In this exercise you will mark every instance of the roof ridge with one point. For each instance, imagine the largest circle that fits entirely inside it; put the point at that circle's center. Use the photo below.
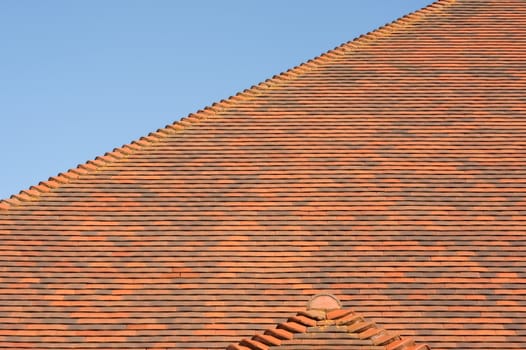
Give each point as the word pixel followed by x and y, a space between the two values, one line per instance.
pixel 122 152
pixel 355 324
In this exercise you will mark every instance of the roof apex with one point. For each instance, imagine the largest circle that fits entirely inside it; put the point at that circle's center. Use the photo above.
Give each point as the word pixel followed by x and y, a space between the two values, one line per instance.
pixel 324 302
pixel 342 321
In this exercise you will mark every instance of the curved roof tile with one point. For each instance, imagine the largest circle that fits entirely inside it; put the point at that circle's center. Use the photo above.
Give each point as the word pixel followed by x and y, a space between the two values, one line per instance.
pixel 327 329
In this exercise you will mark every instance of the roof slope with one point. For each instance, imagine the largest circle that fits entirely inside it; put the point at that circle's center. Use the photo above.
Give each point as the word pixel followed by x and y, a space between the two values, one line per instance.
pixel 390 172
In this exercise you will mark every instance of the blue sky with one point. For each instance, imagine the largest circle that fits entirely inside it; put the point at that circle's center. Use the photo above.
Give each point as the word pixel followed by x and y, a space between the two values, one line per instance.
pixel 79 78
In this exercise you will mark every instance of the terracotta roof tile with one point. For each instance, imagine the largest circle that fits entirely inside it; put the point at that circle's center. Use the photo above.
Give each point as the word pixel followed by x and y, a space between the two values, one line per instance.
pixel 389 171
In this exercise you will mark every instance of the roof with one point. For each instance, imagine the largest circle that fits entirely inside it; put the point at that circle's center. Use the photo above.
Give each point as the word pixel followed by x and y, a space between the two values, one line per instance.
pixel 389 171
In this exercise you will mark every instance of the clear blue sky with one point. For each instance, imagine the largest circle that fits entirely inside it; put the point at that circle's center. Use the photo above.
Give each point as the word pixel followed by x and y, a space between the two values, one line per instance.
pixel 79 78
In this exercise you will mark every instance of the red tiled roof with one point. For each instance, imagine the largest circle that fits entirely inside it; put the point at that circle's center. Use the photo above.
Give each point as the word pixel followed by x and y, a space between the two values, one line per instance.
pixel 389 171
